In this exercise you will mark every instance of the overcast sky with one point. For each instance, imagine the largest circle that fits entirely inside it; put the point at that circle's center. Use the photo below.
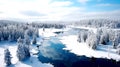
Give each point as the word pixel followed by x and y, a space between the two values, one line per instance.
pixel 58 9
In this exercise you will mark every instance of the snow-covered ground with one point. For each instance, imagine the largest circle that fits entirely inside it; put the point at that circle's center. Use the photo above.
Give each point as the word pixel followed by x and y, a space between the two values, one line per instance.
pixel 12 47
pixel 87 28
pixel 32 62
pixel 103 51
pixel 48 32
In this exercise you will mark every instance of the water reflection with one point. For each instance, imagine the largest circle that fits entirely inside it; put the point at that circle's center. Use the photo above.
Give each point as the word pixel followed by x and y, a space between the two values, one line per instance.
pixel 52 52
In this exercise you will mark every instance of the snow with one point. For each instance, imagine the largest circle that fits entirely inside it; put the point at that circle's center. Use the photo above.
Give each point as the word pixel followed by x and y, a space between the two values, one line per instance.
pixel 87 28
pixel 102 51
pixel 13 53
pixel 11 47
pixel 32 62
pixel 48 32
pixel 1 56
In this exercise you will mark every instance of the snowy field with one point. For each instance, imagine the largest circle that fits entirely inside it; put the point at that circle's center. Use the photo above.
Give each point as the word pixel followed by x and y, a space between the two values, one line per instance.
pixel 74 46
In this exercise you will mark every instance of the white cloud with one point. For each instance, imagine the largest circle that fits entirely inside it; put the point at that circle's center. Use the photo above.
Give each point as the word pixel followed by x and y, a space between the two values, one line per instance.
pixel 61 3
pixel 46 9
pixel 83 1
pixel 76 16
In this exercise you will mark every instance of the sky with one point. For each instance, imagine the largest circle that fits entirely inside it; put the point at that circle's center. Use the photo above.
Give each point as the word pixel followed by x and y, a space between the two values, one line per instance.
pixel 58 9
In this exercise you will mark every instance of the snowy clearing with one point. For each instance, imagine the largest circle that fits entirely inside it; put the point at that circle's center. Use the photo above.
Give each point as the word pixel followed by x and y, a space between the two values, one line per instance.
pixel 74 46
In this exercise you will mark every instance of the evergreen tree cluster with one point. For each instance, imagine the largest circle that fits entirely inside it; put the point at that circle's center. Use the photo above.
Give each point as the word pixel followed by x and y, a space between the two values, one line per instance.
pixel 96 23
pixel 48 25
pixel 11 30
pixel 23 50
pixel 102 36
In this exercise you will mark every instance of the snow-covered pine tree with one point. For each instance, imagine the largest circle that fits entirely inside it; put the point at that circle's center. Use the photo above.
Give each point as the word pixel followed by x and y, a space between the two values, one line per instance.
pixel 34 41
pixel 7 57
pixel 22 50
pixel 9 38
pixel 36 32
pixel 79 37
pixel 84 36
pixel 26 39
pixel 104 38
pixel 27 44
pixel 19 40
pixel 114 38
pixel 92 41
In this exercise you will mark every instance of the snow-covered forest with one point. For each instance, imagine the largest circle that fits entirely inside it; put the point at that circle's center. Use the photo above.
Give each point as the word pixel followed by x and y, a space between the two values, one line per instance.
pixel 30 44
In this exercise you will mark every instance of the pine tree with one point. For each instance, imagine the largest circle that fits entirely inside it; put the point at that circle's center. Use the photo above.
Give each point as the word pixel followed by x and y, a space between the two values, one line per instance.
pixel 92 41
pixel 79 38
pixel 82 36
pixel 19 40
pixel 34 39
pixel 27 39
pixel 104 38
pixel 36 32
pixel 9 38
pixel 7 57
pixel 22 50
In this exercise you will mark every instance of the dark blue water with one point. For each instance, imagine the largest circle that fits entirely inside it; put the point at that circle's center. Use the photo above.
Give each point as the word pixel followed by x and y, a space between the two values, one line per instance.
pixel 58 32
pixel 52 52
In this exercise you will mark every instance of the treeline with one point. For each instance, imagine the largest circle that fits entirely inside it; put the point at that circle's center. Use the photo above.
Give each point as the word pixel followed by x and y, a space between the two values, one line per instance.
pixel 11 30
pixel 102 36
pixel 48 25
pixel 108 23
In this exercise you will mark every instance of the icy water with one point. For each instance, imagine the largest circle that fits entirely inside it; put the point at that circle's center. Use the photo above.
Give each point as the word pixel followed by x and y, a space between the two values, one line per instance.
pixel 52 52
